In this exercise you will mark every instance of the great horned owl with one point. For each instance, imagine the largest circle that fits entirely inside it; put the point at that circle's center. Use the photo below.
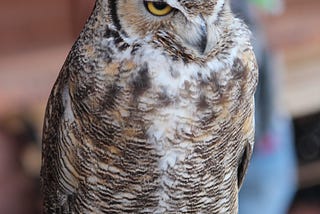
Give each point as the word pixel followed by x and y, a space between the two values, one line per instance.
pixel 152 112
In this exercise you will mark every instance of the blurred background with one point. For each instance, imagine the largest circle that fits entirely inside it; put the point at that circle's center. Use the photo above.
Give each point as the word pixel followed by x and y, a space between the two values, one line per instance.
pixel 36 35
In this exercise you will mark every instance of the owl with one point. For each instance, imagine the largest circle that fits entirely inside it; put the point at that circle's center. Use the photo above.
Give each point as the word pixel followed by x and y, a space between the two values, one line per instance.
pixel 152 112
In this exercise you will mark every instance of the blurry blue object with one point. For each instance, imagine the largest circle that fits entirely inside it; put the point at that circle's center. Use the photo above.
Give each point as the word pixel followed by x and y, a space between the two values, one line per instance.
pixel 271 179
pixel 270 183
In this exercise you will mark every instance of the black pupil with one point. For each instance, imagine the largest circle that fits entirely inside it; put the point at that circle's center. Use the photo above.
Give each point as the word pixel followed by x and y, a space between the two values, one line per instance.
pixel 160 5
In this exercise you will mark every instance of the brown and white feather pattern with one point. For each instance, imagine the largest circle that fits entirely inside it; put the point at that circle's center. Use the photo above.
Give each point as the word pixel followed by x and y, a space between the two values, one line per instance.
pixel 146 125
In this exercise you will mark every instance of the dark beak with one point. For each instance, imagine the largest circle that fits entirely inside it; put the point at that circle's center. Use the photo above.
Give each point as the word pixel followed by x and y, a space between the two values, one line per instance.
pixel 203 38
pixel 195 34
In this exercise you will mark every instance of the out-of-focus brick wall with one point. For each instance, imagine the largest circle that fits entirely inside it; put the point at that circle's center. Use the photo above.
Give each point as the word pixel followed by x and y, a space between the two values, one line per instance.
pixel 32 24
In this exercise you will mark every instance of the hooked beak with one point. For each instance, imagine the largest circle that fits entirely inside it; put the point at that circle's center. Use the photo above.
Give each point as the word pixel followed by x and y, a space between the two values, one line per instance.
pixel 195 34
pixel 202 43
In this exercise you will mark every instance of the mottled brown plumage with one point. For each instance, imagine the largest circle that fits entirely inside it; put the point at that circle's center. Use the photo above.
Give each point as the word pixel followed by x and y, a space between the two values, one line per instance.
pixel 151 114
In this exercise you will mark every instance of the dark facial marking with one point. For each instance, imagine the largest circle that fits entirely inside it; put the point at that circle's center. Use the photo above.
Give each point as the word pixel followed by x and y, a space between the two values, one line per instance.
pixel 114 14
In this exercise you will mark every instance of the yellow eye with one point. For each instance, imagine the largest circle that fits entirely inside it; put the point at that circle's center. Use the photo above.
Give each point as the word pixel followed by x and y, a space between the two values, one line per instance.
pixel 158 8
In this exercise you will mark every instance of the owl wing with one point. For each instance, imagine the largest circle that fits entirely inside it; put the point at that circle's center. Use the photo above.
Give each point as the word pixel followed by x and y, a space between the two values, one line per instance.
pixel 79 118
pixel 57 181
pixel 248 60
pixel 247 150
pixel 244 163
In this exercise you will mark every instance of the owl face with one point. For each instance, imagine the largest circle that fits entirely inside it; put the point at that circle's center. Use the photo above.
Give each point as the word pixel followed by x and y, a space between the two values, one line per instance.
pixel 185 22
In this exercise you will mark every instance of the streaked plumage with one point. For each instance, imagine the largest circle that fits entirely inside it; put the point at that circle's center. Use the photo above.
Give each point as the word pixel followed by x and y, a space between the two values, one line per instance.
pixel 151 114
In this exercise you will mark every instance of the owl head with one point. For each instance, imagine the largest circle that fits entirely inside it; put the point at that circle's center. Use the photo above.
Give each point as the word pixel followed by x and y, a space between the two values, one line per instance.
pixel 194 25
